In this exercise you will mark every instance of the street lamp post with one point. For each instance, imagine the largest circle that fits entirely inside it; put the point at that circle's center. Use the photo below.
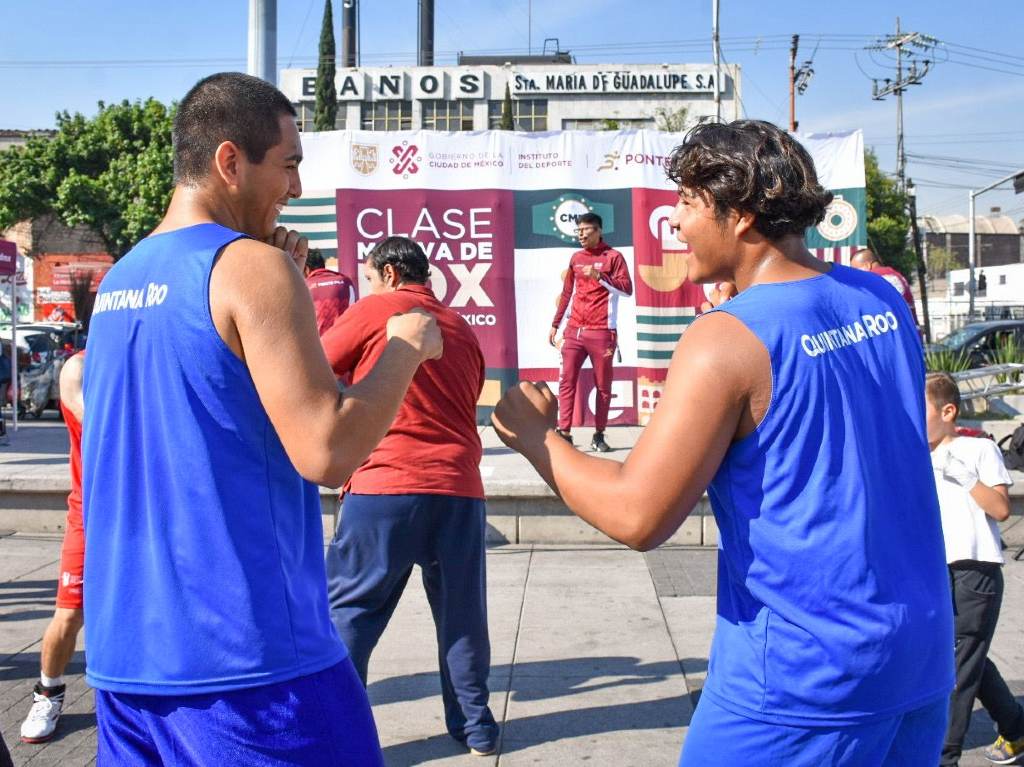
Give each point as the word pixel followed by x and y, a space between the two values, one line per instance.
pixel 1017 178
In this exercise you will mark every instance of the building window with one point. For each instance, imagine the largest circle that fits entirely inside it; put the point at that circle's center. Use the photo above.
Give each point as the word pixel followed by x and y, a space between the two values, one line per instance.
pixel 1002 279
pixel 306 110
pixel 958 288
pixel 606 123
pixel 387 115
pixel 527 114
pixel 448 115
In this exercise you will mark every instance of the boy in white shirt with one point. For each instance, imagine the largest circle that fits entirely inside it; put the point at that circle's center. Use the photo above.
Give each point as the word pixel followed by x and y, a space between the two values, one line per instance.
pixel 972 485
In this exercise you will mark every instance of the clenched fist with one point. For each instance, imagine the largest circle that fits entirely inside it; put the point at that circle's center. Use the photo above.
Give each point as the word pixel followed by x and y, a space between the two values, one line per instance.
pixel 525 414
pixel 292 243
pixel 418 329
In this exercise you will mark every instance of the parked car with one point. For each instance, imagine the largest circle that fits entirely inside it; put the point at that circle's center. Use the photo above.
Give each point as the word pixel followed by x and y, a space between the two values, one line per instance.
pixel 42 349
pixel 980 340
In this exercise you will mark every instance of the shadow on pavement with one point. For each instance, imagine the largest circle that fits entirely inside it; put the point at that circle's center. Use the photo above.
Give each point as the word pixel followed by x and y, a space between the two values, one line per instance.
pixel 560 678
pixel 548 728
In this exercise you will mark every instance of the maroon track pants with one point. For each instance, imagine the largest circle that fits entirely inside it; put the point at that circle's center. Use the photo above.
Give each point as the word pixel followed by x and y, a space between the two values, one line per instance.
pixel 579 344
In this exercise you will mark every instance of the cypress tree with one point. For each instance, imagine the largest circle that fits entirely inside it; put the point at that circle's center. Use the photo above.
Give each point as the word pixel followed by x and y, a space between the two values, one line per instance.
pixel 326 109
pixel 507 121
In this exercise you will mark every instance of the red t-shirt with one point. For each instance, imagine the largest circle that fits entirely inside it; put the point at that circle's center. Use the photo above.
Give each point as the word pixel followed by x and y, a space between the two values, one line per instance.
pixel 433 446
pixel 75 464
pixel 332 293
pixel 595 303
pixel 899 282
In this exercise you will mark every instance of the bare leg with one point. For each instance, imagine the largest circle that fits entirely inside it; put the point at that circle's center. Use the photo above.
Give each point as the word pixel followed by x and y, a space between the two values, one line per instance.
pixel 59 641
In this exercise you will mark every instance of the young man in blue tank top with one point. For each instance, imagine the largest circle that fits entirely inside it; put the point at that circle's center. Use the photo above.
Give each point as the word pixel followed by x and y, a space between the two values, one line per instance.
pixel 801 401
pixel 213 415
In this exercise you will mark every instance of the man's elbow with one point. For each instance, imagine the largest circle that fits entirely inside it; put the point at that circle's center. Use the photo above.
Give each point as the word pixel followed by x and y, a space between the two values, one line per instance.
pixel 645 531
pixel 321 470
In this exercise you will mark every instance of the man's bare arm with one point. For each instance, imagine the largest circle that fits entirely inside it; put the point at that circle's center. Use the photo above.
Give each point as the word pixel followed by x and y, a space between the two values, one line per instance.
pixel 263 311
pixel 710 397
pixel 70 385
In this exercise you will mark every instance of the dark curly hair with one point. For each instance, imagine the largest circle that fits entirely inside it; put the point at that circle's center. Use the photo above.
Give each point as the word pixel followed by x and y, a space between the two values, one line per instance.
pixel 751 166
pixel 405 256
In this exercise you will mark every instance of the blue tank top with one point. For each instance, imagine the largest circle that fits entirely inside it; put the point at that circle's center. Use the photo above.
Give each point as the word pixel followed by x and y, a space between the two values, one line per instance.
pixel 204 546
pixel 833 594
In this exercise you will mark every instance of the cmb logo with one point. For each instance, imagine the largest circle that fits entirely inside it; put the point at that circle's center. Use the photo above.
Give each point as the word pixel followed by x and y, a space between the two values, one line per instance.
pixel 406 159
pixel 364 158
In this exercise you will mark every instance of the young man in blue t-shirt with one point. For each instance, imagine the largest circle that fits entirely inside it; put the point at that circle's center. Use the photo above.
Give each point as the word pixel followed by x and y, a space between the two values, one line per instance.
pixel 803 413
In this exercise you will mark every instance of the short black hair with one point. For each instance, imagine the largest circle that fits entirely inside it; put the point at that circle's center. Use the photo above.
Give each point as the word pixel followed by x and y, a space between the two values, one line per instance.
pixel 590 218
pixel 315 259
pixel 406 258
pixel 228 106
pixel 751 166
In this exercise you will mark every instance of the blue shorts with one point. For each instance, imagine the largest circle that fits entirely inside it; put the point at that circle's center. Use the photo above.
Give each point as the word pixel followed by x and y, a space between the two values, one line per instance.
pixel 718 736
pixel 320 719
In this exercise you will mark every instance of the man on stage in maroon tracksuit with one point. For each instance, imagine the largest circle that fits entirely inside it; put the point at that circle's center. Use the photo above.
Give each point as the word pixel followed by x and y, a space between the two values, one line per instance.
pixel 597 276
pixel 332 292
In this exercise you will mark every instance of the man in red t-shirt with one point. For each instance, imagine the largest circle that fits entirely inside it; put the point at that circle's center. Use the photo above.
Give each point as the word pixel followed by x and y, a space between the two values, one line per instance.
pixel 418 498
pixel 866 260
pixel 332 292
pixel 595 280
pixel 62 633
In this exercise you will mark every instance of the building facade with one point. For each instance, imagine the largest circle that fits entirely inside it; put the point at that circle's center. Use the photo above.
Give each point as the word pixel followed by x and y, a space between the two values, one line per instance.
pixel 544 97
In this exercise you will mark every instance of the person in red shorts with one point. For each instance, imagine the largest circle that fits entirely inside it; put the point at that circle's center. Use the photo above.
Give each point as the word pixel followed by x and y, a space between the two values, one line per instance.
pixel 595 280
pixel 418 499
pixel 866 260
pixel 332 292
pixel 62 633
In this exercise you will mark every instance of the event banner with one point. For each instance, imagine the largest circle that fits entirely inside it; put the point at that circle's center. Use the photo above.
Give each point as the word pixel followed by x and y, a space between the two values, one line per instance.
pixel 496 214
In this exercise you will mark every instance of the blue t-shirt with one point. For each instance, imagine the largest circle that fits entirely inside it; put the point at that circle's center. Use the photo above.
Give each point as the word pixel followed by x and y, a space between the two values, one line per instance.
pixel 204 547
pixel 833 595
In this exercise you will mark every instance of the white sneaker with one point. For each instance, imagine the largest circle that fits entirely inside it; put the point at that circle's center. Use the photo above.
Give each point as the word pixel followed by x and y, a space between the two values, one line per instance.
pixel 41 721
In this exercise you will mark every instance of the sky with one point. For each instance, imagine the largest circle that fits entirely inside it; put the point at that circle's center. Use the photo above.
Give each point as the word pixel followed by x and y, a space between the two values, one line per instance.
pixel 964 122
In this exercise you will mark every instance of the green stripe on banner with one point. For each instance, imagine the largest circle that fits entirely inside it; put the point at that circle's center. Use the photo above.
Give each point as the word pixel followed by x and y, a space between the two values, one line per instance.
pixel 659 337
pixel 649 319
pixel 653 355
pixel 325 218
pixel 320 235
pixel 306 202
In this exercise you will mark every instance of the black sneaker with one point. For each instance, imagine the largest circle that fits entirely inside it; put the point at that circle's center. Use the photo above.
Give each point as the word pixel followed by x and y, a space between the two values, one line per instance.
pixel 598 445
pixel 567 436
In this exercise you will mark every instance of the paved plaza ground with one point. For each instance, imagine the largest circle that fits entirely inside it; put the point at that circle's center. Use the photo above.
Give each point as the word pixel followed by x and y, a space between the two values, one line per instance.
pixel 599 653
pixel 599 657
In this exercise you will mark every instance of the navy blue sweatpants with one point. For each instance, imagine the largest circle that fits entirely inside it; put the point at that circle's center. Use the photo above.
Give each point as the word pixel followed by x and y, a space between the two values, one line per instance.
pixel 378 540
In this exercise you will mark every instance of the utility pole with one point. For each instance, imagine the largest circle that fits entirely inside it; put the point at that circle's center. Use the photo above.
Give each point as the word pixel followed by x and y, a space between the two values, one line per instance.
pixel 792 83
pixel 799 79
pixel 921 271
pixel 716 50
pixel 909 45
pixel 904 44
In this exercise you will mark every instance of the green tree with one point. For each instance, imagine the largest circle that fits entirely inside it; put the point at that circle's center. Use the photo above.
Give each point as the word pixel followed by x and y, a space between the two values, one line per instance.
pixel 670 120
pixel 507 119
pixel 888 222
pixel 940 262
pixel 326 110
pixel 112 173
